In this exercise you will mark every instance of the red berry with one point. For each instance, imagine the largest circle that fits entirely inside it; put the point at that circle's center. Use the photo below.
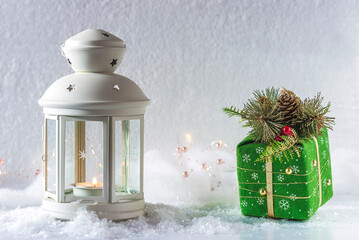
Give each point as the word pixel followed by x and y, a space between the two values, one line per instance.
pixel 287 131
pixel 320 126
pixel 278 138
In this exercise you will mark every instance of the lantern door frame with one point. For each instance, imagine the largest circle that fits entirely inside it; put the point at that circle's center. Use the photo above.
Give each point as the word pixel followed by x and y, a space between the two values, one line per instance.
pixel 105 170
pixel 45 159
pixel 113 196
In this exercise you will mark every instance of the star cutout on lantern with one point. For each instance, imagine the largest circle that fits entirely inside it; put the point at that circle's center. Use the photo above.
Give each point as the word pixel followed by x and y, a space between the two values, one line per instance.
pixel 116 87
pixel 114 62
pixel 69 61
pixel 106 34
pixel 71 87
pixel 82 154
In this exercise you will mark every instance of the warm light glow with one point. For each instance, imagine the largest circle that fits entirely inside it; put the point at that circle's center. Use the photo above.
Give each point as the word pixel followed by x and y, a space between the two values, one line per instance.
pixel 94 182
pixel 188 137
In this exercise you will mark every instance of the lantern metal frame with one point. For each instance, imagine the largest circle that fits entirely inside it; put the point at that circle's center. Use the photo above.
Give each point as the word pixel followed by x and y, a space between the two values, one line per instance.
pixel 109 168
pixel 113 197
pixel 61 186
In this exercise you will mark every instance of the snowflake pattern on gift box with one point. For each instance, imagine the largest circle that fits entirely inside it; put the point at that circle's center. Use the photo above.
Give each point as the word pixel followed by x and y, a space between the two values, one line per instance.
pixel 295 169
pixel 310 212
pixel 244 203
pixel 315 192
pixel 284 204
pixel 280 178
pixel 255 176
pixel 324 154
pixel 259 150
pixel 293 197
pixel 246 158
pixel 260 201
pixel 263 167
pixel 300 148
pixel 279 155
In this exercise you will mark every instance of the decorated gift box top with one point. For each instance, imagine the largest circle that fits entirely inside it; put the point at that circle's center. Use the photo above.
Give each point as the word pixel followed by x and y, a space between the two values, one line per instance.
pixel 279 118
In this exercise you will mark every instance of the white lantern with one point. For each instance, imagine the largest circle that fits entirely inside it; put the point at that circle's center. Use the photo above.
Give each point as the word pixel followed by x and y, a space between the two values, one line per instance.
pixel 93 133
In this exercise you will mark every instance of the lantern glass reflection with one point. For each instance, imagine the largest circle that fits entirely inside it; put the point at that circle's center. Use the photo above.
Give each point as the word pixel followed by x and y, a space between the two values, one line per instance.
pixel 83 157
pixel 50 156
pixel 127 156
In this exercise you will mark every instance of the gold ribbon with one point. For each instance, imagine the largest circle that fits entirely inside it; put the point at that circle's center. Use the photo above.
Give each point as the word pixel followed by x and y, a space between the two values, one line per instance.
pixel 269 180
pixel 319 174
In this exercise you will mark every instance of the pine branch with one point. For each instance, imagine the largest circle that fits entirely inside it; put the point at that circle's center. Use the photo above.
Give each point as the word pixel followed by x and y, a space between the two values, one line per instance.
pixel 271 93
pixel 262 114
pixel 232 111
pixel 275 150
pixel 312 117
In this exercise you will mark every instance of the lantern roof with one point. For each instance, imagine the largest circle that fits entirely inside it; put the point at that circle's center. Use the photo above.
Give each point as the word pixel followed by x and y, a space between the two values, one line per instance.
pixel 94 90
pixel 94 38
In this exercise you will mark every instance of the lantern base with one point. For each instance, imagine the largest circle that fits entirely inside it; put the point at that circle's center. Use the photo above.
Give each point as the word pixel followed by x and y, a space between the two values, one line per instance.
pixel 111 211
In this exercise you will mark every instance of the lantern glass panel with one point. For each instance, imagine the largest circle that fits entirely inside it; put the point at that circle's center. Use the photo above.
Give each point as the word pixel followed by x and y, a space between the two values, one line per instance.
pixel 127 156
pixel 69 155
pixel 84 143
pixel 50 155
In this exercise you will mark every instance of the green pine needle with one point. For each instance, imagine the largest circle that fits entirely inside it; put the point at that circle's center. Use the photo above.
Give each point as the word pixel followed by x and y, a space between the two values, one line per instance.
pixel 311 117
pixel 276 149
pixel 271 93
pixel 232 111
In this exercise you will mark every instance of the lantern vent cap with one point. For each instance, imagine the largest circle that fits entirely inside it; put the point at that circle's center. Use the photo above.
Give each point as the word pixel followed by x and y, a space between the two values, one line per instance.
pixel 94 50
pixel 93 38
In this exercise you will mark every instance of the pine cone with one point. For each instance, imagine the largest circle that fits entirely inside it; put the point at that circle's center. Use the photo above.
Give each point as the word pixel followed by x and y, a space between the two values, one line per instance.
pixel 264 100
pixel 289 105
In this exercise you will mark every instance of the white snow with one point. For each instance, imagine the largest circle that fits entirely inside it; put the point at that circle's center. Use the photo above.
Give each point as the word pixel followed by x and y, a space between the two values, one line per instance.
pixel 210 221
pixel 179 208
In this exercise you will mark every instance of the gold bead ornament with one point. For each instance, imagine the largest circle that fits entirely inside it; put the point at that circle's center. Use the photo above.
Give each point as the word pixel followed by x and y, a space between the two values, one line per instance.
pixel 329 182
pixel 262 192
pixel 314 162
pixel 288 170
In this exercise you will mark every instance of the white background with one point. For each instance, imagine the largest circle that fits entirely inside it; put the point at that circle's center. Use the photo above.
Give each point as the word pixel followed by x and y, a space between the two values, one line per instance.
pixel 191 58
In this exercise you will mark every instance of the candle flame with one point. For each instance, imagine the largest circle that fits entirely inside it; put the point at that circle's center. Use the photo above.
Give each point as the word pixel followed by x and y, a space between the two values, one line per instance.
pixel 94 182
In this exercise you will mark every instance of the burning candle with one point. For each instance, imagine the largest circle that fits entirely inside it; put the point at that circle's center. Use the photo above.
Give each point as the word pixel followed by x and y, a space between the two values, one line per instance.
pixel 94 182
pixel 84 189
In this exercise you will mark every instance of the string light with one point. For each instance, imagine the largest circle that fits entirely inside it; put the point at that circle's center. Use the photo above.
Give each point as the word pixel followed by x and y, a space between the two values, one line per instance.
pixel 22 172
pixel 188 138
pixel 185 159
pixel 35 171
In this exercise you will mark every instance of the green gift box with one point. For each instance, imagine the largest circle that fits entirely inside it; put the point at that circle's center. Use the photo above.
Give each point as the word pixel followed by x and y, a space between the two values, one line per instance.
pixel 293 188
